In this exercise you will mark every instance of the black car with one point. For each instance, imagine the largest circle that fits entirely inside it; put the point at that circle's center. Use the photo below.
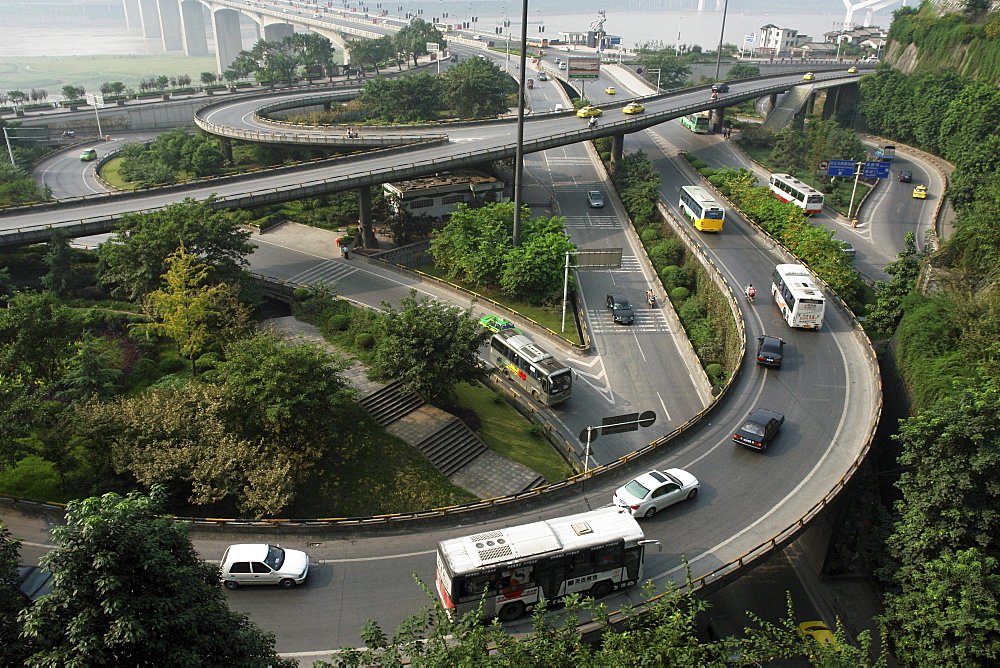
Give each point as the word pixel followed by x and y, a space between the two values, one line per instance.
pixel 621 310
pixel 720 88
pixel 759 428
pixel 769 350
pixel 905 176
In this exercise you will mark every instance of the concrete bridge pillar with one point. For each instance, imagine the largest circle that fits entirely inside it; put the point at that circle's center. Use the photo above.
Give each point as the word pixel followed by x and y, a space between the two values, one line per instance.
pixel 132 18
pixel 228 41
pixel 811 104
pixel 718 116
pixel 170 24
pixel 226 148
pixel 830 103
pixel 365 217
pixel 149 16
pixel 276 32
pixel 773 100
pixel 617 147
pixel 193 28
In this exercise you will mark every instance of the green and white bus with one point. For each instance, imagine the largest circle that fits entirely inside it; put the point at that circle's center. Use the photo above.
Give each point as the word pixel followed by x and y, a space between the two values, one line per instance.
pixel 700 122
pixel 545 378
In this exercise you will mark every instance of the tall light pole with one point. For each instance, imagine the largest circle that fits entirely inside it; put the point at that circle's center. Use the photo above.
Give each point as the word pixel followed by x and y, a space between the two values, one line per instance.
pixel 718 63
pixel 519 154
pixel 677 46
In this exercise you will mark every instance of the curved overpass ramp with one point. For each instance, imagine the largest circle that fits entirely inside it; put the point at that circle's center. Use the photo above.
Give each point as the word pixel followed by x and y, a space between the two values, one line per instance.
pixel 750 502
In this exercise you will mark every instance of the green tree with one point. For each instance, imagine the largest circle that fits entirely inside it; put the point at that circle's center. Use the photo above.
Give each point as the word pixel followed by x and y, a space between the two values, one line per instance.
pixel 35 336
pixel 62 279
pixel 742 71
pixel 209 78
pixel 93 371
pixel 207 160
pixel 411 98
pixel 181 309
pixel 428 345
pixel 16 187
pixel 477 88
pixel 301 398
pixel 673 71
pixel 536 267
pixel 131 590
pixel 134 260
pixel 20 412
pixel 412 39
pixel 946 611
pixel 884 315
pixel 13 650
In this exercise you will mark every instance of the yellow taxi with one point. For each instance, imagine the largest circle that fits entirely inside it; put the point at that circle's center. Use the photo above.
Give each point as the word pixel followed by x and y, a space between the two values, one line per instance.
pixel 587 112
pixel 633 108
pixel 852 70
pixel 920 192
pixel 808 76
pixel 611 90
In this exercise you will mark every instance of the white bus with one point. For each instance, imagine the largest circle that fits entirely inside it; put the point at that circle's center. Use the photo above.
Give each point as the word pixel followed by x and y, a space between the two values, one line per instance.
pixel 787 188
pixel 510 570
pixel 548 380
pixel 705 213
pixel 795 292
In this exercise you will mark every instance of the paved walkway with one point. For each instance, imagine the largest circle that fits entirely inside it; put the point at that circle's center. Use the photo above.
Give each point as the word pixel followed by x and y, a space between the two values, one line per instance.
pixel 488 476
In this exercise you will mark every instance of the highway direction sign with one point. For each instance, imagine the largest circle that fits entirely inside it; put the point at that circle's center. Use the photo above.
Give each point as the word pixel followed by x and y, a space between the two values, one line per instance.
pixel 876 170
pixel 840 168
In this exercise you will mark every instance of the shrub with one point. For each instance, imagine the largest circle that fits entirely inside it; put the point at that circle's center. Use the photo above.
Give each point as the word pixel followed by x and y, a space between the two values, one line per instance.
pixel 699 164
pixel 715 373
pixel 170 364
pixel 206 361
pixel 145 370
pixel 339 322
pixel 364 340
pixel 301 294
pixel 706 171
pixel 679 294
pixel 672 277
pixel 498 397
pixel 650 236
pixel 537 431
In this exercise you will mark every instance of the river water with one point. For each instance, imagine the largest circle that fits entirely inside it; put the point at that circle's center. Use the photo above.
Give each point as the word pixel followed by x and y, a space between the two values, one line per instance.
pixel 669 26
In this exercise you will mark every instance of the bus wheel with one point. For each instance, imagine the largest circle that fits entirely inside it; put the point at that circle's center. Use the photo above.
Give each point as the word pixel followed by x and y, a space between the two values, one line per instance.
pixel 511 611
pixel 601 589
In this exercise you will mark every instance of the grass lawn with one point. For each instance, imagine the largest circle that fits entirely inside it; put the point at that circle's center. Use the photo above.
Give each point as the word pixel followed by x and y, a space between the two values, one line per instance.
pixel 374 473
pixel 34 478
pixel 546 316
pixel 507 432
pixel 109 172
pixel 54 72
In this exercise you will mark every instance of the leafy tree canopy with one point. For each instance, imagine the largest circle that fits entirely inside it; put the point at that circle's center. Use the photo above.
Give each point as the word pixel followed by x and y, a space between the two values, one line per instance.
pixel 134 260
pixel 131 590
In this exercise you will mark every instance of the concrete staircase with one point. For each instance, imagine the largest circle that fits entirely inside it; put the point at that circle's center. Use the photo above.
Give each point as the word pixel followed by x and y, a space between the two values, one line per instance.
pixel 390 403
pixel 452 447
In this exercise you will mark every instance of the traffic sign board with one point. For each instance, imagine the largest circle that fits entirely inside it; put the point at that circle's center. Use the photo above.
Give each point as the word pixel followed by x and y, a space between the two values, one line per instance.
pixel 840 168
pixel 876 170
pixel 823 165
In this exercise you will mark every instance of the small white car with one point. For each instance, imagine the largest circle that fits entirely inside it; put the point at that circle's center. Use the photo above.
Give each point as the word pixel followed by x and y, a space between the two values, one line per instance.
pixel 656 490
pixel 260 563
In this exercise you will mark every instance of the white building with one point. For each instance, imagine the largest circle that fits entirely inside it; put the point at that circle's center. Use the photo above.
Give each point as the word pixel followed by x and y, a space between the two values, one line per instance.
pixel 779 42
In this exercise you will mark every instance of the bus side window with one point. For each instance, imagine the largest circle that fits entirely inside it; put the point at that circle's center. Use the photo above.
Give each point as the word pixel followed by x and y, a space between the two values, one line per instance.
pixel 580 565
pixel 608 558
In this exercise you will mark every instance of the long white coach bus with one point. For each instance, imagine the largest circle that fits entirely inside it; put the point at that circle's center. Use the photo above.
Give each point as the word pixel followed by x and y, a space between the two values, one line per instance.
pixel 802 304
pixel 592 554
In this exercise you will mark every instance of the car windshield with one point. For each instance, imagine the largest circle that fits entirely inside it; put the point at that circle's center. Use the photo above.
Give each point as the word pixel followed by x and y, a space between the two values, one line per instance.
pixel 753 428
pixel 622 305
pixel 275 557
pixel 636 489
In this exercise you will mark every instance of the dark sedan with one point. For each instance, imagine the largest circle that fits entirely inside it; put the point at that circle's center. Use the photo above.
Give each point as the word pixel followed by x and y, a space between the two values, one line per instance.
pixel 769 349
pixel 621 310
pixel 759 428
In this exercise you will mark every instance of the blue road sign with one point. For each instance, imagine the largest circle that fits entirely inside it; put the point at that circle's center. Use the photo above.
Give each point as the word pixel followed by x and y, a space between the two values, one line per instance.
pixel 840 168
pixel 876 170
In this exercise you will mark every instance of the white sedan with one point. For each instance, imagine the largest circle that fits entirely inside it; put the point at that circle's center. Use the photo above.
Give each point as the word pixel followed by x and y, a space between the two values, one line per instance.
pixel 655 491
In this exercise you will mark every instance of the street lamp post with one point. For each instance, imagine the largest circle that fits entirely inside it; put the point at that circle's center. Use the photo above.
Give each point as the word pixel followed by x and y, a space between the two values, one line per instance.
pixel 718 62
pixel 519 154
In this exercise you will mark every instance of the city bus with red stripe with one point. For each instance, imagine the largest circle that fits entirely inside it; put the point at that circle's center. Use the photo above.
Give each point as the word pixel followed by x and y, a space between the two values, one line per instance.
pixel 787 188
pixel 508 571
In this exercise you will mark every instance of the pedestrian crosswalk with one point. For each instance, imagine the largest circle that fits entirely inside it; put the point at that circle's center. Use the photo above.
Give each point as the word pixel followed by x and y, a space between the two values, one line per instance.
pixel 647 320
pixel 327 271
pixel 602 222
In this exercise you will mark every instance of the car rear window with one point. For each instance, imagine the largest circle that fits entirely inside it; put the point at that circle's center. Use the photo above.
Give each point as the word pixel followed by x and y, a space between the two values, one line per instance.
pixel 636 489
pixel 754 428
